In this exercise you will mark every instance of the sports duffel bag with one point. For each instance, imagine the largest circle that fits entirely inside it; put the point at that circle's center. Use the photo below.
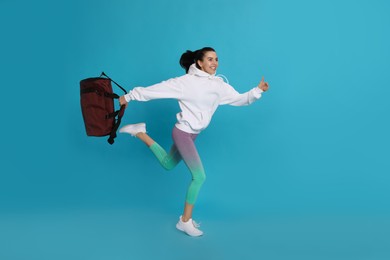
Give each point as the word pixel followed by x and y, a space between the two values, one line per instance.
pixel 97 106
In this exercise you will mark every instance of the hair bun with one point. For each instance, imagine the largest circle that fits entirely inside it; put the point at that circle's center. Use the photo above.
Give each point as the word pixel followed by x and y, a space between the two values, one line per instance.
pixel 190 57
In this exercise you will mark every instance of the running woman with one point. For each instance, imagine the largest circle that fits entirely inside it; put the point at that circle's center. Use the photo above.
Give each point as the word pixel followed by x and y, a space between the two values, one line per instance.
pixel 199 93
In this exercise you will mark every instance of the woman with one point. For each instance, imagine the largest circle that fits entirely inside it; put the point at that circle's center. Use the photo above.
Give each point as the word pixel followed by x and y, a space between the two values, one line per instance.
pixel 199 93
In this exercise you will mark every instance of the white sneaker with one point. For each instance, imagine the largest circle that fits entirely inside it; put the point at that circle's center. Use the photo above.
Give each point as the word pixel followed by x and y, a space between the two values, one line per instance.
pixel 190 227
pixel 133 129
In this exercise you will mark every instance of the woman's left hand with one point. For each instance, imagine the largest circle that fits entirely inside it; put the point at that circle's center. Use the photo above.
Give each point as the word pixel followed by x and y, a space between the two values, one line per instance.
pixel 263 85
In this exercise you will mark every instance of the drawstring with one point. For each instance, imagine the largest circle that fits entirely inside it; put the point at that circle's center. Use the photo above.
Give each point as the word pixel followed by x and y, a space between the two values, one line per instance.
pixel 223 77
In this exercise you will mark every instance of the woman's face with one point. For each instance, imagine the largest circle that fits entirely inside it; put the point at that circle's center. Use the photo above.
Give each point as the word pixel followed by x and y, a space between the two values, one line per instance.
pixel 209 63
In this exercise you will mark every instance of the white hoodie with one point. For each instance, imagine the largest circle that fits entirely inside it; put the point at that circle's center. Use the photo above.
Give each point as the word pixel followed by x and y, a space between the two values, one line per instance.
pixel 199 94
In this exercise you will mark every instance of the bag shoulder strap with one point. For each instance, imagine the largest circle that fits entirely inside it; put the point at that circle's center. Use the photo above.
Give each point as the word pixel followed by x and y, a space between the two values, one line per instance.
pixel 104 74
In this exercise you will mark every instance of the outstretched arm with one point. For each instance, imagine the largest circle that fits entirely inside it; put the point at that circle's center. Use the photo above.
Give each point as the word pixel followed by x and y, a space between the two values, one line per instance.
pixel 171 88
pixel 232 97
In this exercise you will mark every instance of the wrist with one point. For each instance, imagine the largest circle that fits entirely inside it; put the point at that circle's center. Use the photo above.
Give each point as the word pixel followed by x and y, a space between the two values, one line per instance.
pixel 127 97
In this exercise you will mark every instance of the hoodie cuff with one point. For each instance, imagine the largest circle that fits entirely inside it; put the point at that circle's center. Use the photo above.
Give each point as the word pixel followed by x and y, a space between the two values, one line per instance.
pixel 257 92
pixel 127 97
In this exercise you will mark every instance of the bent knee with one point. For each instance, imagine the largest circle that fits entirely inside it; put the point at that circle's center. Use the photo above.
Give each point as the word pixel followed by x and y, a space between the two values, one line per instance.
pixel 168 165
pixel 199 178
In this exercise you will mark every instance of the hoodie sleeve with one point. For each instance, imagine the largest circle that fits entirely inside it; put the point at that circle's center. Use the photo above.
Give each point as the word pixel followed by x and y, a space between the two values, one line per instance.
pixel 232 97
pixel 171 88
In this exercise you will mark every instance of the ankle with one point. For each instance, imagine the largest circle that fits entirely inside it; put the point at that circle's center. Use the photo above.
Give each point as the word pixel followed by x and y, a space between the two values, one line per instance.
pixel 185 219
pixel 139 135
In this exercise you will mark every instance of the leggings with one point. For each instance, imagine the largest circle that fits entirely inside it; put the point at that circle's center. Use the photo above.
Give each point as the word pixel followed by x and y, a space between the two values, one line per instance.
pixel 183 148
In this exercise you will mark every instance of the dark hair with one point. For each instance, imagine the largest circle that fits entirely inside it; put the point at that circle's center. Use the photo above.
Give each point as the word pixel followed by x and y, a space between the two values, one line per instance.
pixel 190 57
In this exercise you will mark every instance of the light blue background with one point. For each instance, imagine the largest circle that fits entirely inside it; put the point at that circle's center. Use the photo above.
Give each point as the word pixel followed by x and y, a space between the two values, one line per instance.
pixel 301 174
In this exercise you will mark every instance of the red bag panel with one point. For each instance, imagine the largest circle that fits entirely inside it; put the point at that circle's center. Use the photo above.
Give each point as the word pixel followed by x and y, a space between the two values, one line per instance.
pixel 96 107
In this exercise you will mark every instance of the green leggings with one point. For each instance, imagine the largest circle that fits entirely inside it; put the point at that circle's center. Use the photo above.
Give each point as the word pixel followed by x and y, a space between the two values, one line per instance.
pixel 183 148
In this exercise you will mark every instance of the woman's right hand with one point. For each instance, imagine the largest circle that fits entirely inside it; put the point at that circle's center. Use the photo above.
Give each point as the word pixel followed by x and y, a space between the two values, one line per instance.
pixel 123 102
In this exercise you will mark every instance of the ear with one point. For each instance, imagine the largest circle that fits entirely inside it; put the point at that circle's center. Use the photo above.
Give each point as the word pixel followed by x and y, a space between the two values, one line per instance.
pixel 199 63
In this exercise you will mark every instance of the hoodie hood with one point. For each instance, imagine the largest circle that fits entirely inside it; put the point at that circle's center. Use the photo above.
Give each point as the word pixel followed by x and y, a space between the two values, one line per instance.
pixel 193 70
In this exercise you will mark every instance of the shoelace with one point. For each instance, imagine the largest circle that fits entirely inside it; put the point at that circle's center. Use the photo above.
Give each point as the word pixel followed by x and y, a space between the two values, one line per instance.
pixel 197 225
